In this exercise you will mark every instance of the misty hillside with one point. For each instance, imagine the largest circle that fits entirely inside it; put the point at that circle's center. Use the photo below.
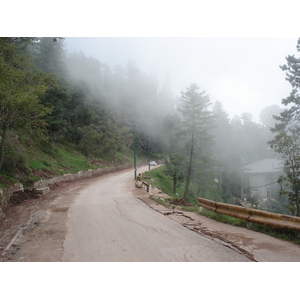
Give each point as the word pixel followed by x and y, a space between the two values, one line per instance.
pixel 52 100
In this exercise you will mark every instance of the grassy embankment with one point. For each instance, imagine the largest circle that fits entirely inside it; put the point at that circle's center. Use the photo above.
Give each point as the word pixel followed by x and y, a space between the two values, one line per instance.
pixel 27 164
pixel 164 182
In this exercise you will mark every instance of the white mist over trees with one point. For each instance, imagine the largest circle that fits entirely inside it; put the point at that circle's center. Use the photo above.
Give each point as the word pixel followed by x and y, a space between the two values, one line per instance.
pixel 125 95
pixel 93 106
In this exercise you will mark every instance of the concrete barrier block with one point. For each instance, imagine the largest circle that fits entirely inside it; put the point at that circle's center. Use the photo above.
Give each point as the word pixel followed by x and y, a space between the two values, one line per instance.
pixel 42 191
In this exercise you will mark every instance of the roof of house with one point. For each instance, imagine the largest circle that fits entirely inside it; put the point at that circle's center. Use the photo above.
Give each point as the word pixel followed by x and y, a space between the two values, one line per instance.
pixel 269 165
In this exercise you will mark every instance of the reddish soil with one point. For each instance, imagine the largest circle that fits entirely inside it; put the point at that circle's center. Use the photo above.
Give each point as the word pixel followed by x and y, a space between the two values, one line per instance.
pixel 180 201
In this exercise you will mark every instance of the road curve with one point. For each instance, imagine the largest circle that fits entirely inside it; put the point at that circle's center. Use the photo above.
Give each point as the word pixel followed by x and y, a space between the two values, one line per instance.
pixel 106 223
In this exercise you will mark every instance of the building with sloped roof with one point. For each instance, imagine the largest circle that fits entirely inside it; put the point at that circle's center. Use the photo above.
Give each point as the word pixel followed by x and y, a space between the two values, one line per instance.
pixel 259 179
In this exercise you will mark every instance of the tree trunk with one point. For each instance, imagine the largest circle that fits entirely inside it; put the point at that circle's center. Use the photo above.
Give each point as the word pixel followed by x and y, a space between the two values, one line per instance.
pixel 2 147
pixel 188 178
pixel 297 205
pixel 174 182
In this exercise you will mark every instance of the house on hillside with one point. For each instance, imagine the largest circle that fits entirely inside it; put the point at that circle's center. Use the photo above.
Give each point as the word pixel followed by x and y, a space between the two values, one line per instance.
pixel 259 179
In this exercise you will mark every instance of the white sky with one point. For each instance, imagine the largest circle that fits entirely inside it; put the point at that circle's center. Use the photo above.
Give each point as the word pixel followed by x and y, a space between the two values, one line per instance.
pixel 242 73
pixel 240 69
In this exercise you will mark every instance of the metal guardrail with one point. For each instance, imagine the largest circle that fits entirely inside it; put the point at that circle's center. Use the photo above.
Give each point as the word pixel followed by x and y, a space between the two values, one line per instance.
pixel 252 215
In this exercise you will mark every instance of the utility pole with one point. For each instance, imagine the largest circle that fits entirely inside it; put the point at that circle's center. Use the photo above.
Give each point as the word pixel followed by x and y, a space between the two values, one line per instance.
pixel 134 150
pixel 148 152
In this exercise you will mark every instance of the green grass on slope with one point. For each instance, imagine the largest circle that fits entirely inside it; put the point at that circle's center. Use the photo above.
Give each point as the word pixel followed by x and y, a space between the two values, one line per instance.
pixel 34 163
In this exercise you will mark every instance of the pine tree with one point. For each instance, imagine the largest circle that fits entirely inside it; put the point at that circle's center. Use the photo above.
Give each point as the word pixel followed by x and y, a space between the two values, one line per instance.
pixel 286 142
pixel 223 149
pixel 290 117
pixel 197 122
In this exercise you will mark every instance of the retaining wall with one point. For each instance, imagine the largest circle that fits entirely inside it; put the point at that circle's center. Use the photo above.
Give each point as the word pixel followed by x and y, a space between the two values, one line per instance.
pixel 5 195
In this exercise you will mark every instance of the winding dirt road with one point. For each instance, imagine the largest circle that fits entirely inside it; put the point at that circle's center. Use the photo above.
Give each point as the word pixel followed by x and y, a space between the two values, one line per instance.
pixel 106 219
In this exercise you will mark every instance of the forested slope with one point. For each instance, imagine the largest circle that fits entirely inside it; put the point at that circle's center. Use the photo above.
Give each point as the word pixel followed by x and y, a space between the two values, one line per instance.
pixel 55 105
pixel 61 112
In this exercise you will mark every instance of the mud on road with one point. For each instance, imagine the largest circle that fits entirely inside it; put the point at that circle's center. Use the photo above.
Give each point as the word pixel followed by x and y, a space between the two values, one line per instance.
pixel 35 228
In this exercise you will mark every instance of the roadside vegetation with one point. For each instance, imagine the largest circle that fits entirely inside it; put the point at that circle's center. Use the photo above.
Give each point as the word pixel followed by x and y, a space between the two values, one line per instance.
pixel 32 163
pixel 57 112
pixel 159 178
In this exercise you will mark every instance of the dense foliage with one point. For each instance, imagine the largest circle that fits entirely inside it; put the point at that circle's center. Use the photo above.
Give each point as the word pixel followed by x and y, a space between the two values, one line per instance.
pixel 21 86
pixel 50 97
pixel 286 140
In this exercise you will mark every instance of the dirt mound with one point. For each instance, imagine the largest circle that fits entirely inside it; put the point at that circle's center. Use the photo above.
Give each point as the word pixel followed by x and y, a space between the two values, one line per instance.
pixel 19 197
pixel 180 201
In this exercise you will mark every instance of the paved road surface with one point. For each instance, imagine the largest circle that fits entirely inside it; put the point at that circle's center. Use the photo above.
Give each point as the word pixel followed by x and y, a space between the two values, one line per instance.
pixel 106 223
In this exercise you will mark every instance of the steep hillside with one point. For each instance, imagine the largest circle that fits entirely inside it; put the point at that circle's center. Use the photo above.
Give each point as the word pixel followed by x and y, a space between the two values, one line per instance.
pixel 27 162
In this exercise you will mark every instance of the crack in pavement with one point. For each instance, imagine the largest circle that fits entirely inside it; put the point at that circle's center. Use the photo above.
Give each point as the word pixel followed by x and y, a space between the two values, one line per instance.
pixel 197 227
pixel 147 227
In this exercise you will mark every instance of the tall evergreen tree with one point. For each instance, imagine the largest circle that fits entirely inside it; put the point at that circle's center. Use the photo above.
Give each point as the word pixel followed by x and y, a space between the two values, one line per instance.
pixel 49 55
pixel 291 116
pixel 197 123
pixel 286 141
pixel 170 144
pixel 223 149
